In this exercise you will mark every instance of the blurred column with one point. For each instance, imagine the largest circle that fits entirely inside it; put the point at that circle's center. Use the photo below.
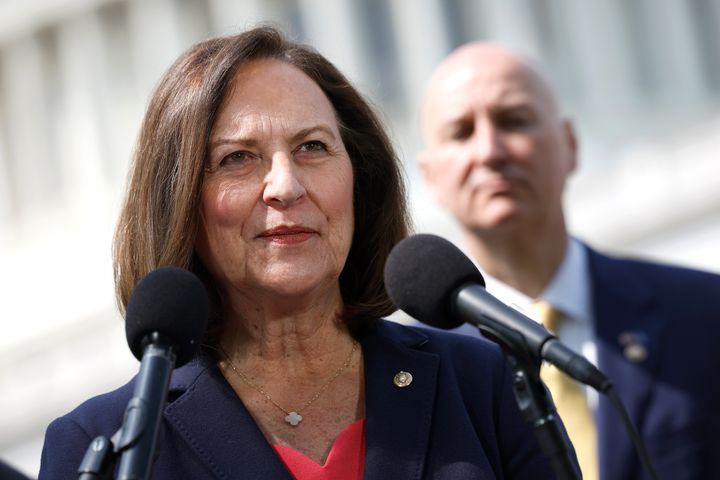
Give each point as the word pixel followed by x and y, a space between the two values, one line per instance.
pixel 30 166
pixel 423 41
pixel 379 54
pixel 81 143
pixel 121 105
pixel 705 17
pixel 466 21
pixel 510 22
pixel 154 41
pixel 192 22
pixel 7 203
pixel 229 17
pixel 604 67
pixel 675 51
pixel 331 27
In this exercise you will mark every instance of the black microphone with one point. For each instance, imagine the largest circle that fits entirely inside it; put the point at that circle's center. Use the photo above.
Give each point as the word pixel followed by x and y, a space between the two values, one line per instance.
pixel 9 473
pixel 432 280
pixel 165 321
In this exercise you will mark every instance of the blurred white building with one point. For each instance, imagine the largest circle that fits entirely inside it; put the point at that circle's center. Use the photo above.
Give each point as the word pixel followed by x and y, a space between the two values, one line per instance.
pixel 641 78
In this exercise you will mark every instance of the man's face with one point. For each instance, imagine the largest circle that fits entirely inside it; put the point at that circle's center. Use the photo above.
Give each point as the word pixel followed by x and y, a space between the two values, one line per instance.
pixel 497 152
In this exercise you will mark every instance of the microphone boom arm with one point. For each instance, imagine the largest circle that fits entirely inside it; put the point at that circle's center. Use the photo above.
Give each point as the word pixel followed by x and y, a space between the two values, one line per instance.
pixel 473 304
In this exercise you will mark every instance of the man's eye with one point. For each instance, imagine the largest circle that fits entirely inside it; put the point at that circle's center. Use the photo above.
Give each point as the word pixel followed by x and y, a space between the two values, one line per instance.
pixel 514 120
pixel 461 132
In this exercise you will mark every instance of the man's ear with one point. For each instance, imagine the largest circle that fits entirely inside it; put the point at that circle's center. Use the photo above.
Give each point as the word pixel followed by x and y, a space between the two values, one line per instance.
pixel 428 170
pixel 423 159
pixel 572 145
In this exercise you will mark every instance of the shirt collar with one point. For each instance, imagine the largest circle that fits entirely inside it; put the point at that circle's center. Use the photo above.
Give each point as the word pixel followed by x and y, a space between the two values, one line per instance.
pixel 569 289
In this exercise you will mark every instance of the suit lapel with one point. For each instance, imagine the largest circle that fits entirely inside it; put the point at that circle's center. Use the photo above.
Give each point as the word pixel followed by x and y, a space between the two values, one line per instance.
pixel 627 338
pixel 218 427
pixel 398 419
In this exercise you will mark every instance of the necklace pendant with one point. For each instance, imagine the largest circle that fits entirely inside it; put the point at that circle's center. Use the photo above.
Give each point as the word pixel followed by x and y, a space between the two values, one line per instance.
pixel 293 418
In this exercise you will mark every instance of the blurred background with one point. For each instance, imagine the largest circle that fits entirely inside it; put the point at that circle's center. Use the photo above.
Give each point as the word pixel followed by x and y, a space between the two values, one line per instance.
pixel 641 79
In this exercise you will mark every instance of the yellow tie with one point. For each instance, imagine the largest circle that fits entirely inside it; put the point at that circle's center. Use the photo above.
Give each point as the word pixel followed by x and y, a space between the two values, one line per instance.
pixel 570 401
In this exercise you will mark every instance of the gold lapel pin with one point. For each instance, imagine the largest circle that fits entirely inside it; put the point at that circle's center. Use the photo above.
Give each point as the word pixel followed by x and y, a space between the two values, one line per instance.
pixel 634 347
pixel 402 379
pixel 635 352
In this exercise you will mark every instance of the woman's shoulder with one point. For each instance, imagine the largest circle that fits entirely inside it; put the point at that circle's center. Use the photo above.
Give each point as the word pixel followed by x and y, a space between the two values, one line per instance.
pixel 453 347
pixel 99 415
pixel 67 437
pixel 412 331
pixel 103 414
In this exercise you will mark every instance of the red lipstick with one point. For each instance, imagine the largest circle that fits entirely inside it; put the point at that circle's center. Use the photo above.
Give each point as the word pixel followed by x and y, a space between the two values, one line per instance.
pixel 288 235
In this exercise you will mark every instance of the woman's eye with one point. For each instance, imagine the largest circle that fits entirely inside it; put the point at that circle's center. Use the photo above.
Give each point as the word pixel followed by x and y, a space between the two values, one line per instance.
pixel 311 151
pixel 237 159
pixel 312 146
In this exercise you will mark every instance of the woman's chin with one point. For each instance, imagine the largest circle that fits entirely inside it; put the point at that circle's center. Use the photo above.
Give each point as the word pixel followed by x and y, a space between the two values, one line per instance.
pixel 298 282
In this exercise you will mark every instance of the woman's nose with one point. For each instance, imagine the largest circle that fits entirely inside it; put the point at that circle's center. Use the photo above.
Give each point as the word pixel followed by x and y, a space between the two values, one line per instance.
pixel 283 187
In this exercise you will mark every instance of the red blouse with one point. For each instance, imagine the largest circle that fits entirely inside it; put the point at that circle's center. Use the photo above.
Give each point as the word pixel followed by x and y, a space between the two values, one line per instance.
pixel 345 460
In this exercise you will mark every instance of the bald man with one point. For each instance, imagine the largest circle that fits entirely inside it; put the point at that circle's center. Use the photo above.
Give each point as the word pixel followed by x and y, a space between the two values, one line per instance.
pixel 498 154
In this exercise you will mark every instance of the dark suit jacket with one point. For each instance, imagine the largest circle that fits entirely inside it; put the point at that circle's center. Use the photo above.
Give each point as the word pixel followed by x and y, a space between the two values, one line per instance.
pixel 657 332
pixel 658 340
pixel 457 420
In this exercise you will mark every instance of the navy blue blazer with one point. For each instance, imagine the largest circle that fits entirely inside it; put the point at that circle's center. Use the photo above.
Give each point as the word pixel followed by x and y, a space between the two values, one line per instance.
pixel 658 340
pixel 457 420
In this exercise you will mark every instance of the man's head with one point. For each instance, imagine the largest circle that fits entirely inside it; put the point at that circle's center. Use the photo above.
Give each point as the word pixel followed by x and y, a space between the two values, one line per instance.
pixel 497 150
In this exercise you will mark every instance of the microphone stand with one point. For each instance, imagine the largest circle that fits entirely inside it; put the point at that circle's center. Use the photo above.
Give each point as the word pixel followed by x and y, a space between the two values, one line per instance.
pixel 135 442
pixel 99 460
pixel 137 439
pixel 538 409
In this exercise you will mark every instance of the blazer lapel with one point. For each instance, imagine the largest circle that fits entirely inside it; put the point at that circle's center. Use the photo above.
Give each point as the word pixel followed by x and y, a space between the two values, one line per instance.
pixel 627 338
pixel 219 429
pixel 398 418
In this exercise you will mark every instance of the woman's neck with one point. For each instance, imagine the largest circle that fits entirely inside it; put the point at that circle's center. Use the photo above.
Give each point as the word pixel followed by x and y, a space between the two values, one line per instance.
pixel 285 332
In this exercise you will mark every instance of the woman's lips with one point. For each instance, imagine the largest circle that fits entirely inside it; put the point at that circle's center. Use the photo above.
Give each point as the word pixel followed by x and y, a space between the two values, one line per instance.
pixel 288 235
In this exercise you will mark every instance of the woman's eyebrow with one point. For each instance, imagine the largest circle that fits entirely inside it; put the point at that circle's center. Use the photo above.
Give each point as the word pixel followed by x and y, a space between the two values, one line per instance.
pixel 251 141
pixel 306 132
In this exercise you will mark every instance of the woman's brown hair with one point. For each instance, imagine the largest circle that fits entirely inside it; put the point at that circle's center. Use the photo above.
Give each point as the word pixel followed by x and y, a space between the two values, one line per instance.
pixel 159 220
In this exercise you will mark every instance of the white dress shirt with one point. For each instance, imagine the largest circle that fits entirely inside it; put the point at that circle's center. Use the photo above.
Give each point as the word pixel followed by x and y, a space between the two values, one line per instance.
pixel 570 292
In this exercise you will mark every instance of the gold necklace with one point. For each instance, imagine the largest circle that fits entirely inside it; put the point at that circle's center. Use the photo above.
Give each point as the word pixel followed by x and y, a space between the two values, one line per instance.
pixel 292 417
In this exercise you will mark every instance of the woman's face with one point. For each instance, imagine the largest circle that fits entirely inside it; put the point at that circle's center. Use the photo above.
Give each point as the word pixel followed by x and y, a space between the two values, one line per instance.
pixel 277 200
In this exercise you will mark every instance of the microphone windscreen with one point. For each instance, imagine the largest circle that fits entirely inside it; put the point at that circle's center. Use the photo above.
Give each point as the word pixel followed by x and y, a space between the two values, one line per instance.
pixel 421 274
pixel 172 302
